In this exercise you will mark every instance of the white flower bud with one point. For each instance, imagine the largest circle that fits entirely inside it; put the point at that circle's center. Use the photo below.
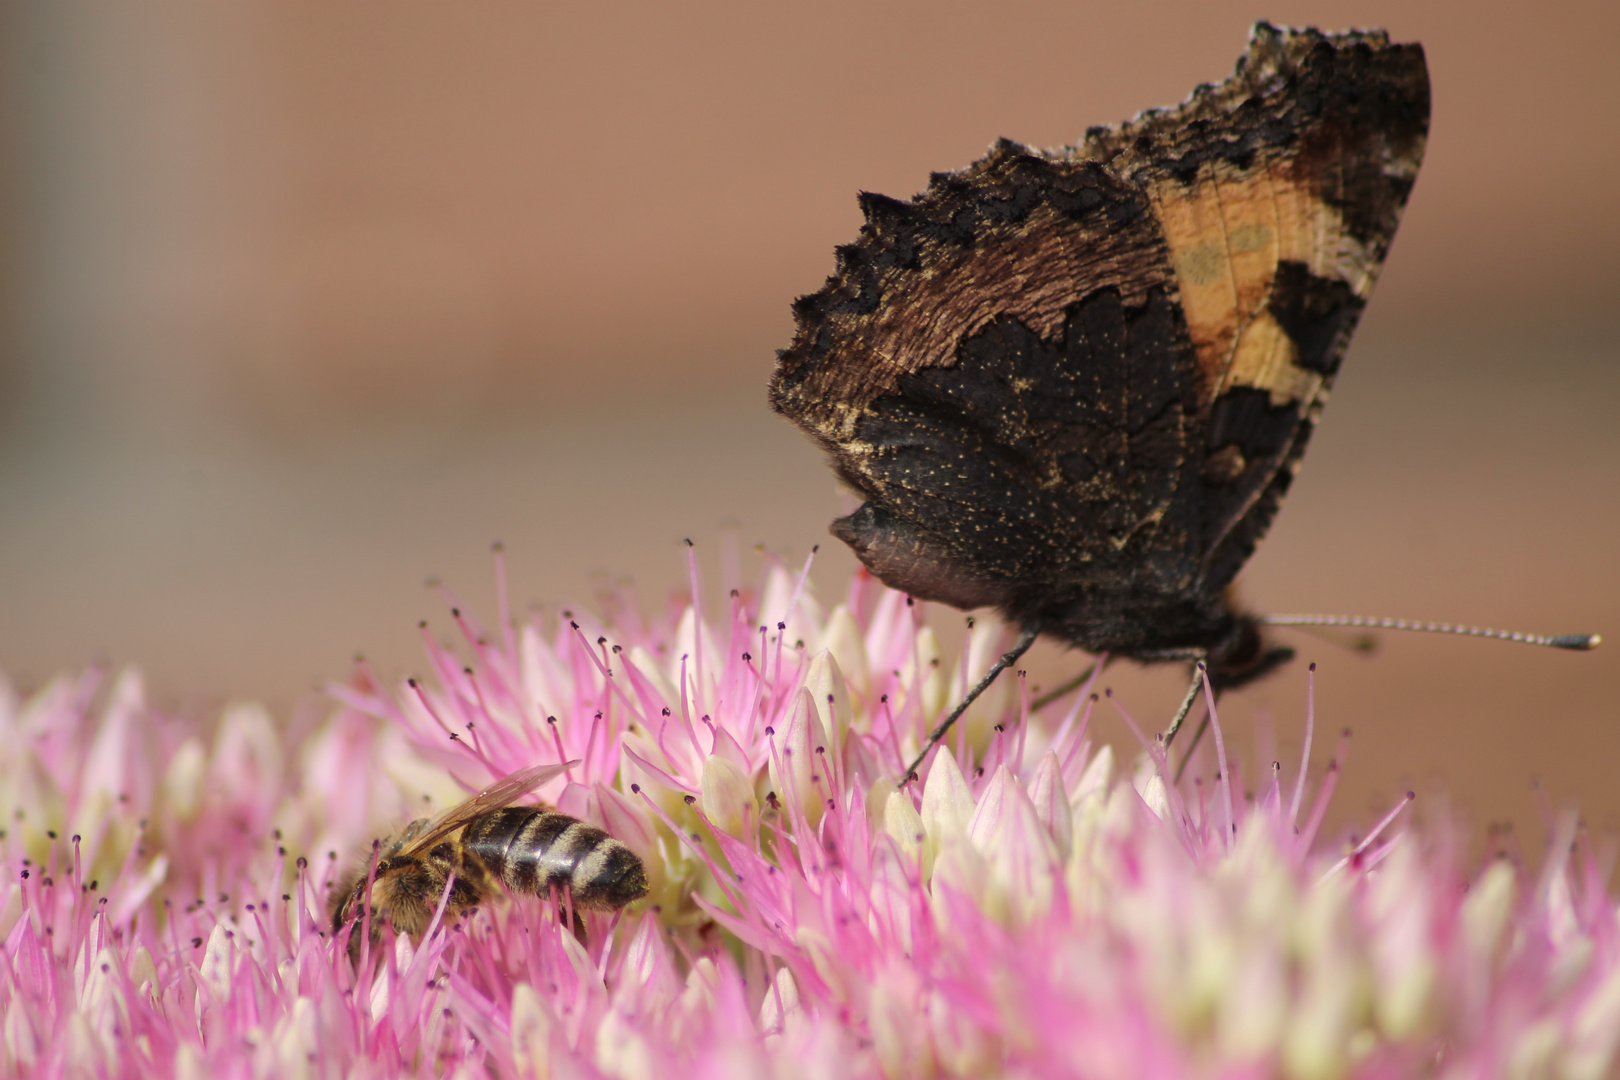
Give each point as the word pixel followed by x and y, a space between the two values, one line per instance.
pixel 901 821
pixel 926 659
pixel 183 780
pixel 1486 911
pixel 947 803
pixel 842 637
pixel 728 798
pixel 827 689
pixel 795 768
pixel 1052 803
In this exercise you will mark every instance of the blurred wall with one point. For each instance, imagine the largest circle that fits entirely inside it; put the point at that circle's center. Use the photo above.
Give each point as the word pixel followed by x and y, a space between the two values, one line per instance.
pixel 304 302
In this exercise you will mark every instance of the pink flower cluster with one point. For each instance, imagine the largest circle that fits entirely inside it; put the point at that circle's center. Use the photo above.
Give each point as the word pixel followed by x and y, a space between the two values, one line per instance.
pixel 1029 908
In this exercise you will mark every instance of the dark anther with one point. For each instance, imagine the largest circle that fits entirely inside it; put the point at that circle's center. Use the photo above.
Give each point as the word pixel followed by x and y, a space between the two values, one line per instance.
pixel 689 799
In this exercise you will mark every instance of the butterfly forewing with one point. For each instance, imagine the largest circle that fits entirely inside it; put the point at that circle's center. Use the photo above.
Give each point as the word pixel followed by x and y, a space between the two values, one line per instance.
pixel 1075 384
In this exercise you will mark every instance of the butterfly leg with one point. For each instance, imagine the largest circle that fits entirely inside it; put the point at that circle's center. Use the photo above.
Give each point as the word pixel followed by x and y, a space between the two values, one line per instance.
pixel 1181 717
pixel 1008 659
pixel 1186 707
pixel 1198 735
pixel 1069 687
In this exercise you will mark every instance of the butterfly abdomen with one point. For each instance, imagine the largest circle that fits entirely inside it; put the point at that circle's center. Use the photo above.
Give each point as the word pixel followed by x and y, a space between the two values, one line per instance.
pixel 531 849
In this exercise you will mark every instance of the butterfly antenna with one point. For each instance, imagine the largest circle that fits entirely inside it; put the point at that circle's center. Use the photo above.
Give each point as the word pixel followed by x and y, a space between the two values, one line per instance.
pixel 1008 659
pixel 1576 642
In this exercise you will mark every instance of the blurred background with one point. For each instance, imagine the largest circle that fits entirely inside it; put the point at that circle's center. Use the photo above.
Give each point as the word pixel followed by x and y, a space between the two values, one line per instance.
pixel 302 303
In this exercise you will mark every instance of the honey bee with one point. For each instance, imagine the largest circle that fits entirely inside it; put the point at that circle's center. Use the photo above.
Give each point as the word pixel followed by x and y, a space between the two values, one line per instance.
pixel 487 842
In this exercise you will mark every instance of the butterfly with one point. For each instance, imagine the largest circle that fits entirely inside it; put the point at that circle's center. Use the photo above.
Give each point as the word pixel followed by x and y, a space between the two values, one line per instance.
pixel 1075 385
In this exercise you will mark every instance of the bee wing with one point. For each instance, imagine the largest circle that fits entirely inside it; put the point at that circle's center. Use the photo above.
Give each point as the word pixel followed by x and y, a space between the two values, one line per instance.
pixel 504 792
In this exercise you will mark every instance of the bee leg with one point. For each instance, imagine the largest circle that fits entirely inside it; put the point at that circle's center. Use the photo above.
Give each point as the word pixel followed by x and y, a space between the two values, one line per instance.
pixel 358 938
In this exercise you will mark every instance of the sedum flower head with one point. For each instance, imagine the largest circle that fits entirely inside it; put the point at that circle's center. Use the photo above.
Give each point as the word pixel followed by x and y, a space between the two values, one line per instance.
pixel 1030 907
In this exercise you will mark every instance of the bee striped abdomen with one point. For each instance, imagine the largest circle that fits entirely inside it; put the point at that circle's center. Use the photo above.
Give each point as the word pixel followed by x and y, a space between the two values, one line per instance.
pixel 531 850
